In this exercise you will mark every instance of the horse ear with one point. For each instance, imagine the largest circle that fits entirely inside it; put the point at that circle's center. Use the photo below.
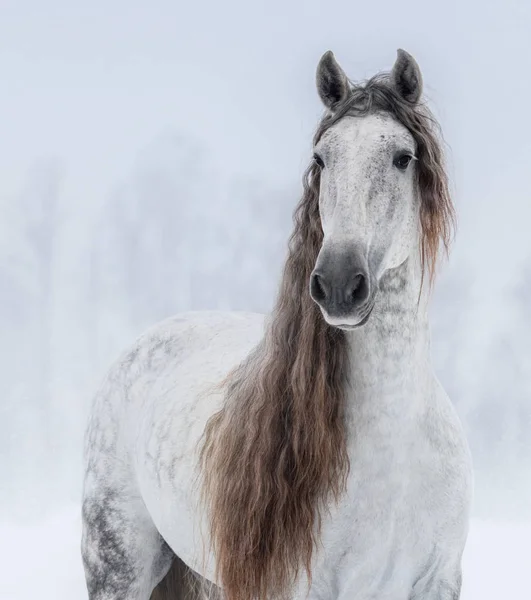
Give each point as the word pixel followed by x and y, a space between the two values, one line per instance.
pixel 332 83
pixel 406 77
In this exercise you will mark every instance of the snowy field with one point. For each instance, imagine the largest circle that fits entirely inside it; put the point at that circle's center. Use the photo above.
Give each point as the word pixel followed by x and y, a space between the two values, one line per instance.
pixel 42 561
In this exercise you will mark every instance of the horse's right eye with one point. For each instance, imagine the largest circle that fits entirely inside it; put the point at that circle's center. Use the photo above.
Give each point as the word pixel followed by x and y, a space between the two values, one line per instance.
pixel 318 161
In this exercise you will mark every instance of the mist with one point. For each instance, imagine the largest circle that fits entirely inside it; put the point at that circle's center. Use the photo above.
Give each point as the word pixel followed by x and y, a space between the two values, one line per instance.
pixel 151 158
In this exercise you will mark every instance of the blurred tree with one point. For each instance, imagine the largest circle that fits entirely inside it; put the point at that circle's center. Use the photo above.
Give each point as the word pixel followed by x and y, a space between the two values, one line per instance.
pixel 31 223
pixel 502 419
pixel 176 236
pixel 450 310
pixel 39 203
pixel 147 241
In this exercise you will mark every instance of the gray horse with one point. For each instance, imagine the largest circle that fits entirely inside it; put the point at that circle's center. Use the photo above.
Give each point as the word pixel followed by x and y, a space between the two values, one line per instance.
pixel 313 454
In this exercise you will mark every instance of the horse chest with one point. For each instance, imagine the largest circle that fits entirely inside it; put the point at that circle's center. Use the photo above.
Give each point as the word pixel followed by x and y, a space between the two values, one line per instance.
pixel 405 505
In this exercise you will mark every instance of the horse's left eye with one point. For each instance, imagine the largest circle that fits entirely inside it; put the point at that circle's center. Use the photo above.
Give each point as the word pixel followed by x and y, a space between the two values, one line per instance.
pixel 402 161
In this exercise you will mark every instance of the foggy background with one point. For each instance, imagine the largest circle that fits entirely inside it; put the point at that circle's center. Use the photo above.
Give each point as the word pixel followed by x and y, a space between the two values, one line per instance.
pixel 150 159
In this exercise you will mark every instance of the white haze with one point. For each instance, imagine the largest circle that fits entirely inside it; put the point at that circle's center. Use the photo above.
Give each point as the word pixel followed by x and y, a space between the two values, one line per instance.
pixel 150 158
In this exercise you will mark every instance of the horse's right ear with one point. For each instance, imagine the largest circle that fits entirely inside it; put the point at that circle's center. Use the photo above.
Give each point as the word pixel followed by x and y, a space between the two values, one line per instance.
pixel 332 83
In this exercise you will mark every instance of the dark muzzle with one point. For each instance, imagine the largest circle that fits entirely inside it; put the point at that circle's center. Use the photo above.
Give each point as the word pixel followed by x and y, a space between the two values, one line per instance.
pixel 340 283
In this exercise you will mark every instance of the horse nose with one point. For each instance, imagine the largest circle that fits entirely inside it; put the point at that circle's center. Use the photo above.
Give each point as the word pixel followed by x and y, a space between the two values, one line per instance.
pixel 352 292
pixel 340 289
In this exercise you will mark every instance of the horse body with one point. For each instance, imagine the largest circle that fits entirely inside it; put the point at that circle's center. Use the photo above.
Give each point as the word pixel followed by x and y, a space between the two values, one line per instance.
pixel 398 528
pixel 403 521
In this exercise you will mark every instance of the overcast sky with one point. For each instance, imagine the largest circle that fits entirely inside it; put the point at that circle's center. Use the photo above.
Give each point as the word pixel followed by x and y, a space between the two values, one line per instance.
pixel 93 83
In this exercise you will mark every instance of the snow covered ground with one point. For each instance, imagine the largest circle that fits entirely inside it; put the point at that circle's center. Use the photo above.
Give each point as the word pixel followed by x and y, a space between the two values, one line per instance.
pixel 41 561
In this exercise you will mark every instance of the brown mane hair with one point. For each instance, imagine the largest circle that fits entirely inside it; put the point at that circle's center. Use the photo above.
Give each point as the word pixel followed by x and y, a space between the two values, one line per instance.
pixel 275 455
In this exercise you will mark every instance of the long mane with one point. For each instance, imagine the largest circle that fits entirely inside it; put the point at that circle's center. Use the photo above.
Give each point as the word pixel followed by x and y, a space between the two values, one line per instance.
pixel 276 454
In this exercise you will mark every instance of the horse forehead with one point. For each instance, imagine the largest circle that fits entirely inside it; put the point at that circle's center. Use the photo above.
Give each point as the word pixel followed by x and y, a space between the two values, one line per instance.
pixel 368 133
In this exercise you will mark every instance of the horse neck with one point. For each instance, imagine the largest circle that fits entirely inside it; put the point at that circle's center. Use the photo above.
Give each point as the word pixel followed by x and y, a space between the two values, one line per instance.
pixel 391 352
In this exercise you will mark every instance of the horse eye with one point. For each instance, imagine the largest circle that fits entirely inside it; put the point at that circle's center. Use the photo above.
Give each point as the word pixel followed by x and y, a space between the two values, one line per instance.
pixel 318 161
pixel 402 161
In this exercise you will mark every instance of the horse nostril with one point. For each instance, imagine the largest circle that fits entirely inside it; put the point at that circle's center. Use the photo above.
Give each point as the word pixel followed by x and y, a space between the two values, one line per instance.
pixel 356 283
pixel 358 288
pixel 318 288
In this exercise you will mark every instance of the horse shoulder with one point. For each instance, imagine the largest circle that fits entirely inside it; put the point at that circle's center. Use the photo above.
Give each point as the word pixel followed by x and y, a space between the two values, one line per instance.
pixel 156 395
pixel 170 405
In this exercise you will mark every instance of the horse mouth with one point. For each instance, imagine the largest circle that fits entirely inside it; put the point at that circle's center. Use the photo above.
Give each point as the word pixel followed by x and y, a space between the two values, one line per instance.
pixel 349 327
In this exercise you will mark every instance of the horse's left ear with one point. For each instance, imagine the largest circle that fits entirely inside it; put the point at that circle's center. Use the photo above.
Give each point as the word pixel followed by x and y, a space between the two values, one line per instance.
pixel 406 77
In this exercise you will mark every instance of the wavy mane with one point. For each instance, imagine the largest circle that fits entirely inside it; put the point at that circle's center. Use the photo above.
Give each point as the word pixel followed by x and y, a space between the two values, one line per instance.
pixel 276 454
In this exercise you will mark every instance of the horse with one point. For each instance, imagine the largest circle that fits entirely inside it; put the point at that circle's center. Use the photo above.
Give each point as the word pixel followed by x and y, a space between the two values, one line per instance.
pixel 310 453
